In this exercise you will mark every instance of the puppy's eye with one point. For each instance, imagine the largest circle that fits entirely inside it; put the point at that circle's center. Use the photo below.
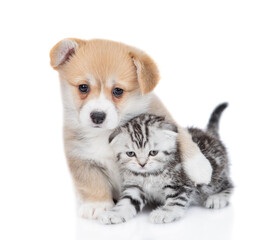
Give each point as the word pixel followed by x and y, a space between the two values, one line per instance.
pixel 153 153
pixel 117 92
pixel 130 154
pixel 83 88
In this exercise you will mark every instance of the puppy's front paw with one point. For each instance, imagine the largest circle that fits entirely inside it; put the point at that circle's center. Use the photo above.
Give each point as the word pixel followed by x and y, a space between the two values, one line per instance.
pixel 110 217
pixel 163 216
pixel 199 169
pixel 92 210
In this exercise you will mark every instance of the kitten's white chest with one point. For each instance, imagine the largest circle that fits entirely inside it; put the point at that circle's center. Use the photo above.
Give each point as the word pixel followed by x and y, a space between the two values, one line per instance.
pixel 152 187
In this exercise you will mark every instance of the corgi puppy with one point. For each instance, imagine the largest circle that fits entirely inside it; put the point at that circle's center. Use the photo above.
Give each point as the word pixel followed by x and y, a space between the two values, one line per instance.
pixel 104 84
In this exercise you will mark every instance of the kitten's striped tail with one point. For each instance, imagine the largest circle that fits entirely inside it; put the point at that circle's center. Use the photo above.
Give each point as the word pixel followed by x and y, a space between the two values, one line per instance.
pixel 213 123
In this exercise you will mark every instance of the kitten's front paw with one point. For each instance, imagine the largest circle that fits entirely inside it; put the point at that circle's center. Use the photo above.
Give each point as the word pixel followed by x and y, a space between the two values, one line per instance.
pixel 216 201
pixel 163 216
pixel 92 210
pixel 110 217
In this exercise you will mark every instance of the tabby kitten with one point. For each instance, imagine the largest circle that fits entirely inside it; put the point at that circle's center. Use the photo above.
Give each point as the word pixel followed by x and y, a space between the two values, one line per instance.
pixel 151 169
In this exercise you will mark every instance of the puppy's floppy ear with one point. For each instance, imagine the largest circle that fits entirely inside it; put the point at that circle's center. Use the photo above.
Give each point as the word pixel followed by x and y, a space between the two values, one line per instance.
pixel 114 135
pixel 63 50
pixel 147 71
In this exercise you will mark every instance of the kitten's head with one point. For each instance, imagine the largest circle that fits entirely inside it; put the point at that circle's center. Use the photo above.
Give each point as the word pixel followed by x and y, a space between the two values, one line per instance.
pixel 145 144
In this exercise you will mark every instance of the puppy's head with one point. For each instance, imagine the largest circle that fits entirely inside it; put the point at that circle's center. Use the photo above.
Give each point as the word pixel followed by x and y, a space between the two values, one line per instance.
pixel 103 81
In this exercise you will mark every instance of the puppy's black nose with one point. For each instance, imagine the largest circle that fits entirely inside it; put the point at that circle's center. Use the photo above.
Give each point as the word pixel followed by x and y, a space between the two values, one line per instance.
pixel 98 117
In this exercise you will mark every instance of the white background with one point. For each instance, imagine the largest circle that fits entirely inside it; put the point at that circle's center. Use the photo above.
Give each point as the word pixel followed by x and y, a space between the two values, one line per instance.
pixel 207 51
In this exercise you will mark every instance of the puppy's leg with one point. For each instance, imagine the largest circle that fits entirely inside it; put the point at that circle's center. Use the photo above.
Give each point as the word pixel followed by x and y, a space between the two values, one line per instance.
pixel 196 165
pixel 93 187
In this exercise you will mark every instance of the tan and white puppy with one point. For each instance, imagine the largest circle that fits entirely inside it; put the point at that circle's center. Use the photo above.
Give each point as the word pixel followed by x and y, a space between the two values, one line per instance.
pixel 104 84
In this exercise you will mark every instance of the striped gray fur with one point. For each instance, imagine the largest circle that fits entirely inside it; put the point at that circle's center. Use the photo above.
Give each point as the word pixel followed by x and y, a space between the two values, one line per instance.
pixel 162 179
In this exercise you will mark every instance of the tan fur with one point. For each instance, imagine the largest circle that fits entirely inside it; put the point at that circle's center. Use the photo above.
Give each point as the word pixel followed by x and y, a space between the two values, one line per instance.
pixel 147 71
pixel 91 59
pixel 111 64
pixel 90 183
pixel 188 148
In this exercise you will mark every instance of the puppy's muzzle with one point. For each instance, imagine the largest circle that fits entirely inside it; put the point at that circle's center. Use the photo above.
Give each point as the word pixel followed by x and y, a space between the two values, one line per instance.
pixel 98 117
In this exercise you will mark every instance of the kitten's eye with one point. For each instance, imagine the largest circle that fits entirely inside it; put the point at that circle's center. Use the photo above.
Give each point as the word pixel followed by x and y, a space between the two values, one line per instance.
pixel 153 153
pixel 130 154
pixel 83 88
pixel 117 92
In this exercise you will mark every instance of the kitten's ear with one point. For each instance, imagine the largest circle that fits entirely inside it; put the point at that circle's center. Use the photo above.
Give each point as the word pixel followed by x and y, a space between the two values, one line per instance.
pixel 114 135
pixel 169 128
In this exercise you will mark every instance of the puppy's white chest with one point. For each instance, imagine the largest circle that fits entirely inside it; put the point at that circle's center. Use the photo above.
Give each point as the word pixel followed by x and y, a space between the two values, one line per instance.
pixel 93 147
